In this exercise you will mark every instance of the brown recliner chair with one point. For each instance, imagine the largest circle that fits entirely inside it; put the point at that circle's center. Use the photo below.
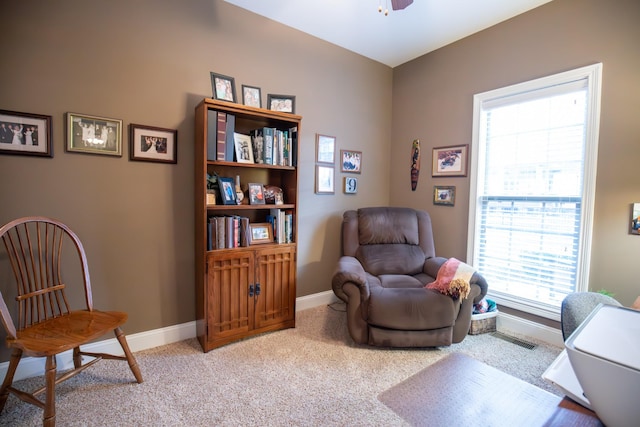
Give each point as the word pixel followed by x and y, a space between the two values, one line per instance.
pixel 388 258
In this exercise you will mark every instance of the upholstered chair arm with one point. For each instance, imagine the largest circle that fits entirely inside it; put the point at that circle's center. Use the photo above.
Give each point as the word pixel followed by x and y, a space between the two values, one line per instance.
pixel 432 265
pixel 349 270
pixel 478 279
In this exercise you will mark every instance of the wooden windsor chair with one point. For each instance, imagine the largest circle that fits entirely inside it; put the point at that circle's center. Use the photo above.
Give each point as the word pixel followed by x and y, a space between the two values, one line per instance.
pixel 43 323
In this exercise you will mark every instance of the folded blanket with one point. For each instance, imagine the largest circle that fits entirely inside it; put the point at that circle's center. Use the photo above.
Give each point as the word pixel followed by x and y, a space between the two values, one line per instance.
pixel 453 279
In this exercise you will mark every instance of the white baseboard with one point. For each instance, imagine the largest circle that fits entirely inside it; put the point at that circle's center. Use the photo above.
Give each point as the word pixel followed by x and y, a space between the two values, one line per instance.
pixel 34 366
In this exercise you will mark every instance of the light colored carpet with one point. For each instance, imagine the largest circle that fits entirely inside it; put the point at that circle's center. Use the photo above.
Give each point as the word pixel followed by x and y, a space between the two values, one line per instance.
pixel 310 375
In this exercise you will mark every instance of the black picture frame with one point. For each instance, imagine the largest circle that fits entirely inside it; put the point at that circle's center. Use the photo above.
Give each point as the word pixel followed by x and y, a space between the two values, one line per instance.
pixel 153 144
pixel 227 189
pixel 223 87
pixel 251 96
pixel 25 134
pixel 256 194
pixel 282 103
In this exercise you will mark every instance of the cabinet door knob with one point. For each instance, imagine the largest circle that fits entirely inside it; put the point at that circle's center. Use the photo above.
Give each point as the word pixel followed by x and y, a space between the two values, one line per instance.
pixel 251 290
pixel 257 289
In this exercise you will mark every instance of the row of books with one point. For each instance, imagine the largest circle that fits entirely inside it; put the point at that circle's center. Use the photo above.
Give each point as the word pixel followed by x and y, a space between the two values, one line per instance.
pixel 269 146
pixel 234 231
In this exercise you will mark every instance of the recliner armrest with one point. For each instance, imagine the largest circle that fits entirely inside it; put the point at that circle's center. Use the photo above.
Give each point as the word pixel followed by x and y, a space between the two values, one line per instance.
pixel 432 265
pixel 349 270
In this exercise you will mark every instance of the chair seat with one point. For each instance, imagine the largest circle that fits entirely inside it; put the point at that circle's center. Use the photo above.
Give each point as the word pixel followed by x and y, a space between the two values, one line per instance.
pixel 66 332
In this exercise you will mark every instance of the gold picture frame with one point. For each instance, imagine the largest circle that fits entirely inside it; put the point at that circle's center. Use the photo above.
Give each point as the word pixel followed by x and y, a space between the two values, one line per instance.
pixel 94 135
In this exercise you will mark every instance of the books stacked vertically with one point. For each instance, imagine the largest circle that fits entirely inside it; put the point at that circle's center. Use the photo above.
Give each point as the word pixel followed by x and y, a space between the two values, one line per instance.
pixel 282 223
pixel 220 129
pixel 274 146
pixel 226 232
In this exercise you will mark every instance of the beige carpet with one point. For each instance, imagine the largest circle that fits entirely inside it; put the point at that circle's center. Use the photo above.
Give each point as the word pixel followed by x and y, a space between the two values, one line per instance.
pixel 307 376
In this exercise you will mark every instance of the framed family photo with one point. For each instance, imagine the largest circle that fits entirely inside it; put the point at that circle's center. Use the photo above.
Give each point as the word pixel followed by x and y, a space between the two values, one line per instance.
pixel 283 103
pixel 351 161
pixel 243 148
pixel 224 87
pixel 227 191
pixel 443 195
pixel 251 96
pixel 261 233
pixel 153 144
pixel 256 194
pixel 94 135
pixel 25 134
pixel 450 161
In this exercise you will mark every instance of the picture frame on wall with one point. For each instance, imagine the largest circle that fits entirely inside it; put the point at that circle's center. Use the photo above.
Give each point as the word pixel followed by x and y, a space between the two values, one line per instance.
pixel 224 87
pixel 350 185
pixel 25 134
pixel 351 161
pixel 261 233
pixel 227 189
pixel 325 149
pixel 282 103
pixel 444 195
pixel 251 96
pixel 94 135
pixel 450 161
pixel 635 219
pixel 153 144
pixel 325 180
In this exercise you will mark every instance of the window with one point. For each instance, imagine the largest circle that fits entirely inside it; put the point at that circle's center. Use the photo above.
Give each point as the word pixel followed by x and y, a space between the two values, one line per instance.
pixel 532 188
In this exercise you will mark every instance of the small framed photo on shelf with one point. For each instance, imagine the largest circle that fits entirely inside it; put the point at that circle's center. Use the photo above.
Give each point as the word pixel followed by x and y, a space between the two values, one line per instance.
pixel 25 133
pixel 443 195
pixel 243 147
pixel 450 161
pixel 224 87
pixel 283 103
pixel 153 144
pixel 94 135
pixel 227 191
pixel 325 179
pixel 325 149
pixel 350 185
pixel 251 96
pixel 256 194
pixel 351 161
pixel 261 233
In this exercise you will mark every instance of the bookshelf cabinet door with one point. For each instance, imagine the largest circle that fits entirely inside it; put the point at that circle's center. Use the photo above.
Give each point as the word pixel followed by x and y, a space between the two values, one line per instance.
pixel 276 270
pixel 230 310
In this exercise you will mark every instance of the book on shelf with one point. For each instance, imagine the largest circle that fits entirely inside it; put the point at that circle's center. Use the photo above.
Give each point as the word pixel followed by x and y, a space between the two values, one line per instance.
pixel 230 129
pixel 221 136
pixel 212 135
pixel 293 135
pixel 257 142
pixel 276 218
pixel 267 134
pixel 227 232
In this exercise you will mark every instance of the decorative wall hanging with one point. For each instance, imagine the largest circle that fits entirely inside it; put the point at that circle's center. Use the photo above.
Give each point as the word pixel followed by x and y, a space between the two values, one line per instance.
pixel 94 135
pixel 350 185
pixel 26 134
pixel 351 161
pixel 325 149
pixel 635 218
pixel 153 144
pixel 415 164
pixel 450 161
pixel 444 195
pixel 325 179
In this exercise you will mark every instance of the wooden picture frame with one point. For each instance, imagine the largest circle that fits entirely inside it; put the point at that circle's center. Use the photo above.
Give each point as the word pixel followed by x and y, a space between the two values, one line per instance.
pixel 25 134
pixel 444 195
pixel 227 189
pixel 256 194
pixel 350 185
pixel 350 161
pixel 251 96
pixel 94 135
pixel 325 179
pixel 261 233
pixel 153 144
pixel 325 149
pixel 243 148
pixel 224 87
pixel 283 103
pixel 450 161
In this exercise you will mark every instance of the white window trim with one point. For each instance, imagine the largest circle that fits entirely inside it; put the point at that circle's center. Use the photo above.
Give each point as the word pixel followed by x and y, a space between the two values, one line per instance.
pixel 593 75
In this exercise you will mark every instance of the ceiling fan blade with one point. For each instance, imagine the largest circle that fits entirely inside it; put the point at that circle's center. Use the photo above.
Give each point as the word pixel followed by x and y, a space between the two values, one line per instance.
pixel 400 4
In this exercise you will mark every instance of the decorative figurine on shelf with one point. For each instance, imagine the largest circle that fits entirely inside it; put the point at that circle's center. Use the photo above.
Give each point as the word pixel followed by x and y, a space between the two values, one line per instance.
pixel 212 185
pixel 239 193
pixel 415 164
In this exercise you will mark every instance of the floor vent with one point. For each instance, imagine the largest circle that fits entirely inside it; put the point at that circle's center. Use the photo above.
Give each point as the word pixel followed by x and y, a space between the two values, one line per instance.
pixel 513 340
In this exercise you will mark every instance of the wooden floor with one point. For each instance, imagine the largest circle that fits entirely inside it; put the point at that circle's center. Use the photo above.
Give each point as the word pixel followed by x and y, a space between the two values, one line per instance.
pixel 461 391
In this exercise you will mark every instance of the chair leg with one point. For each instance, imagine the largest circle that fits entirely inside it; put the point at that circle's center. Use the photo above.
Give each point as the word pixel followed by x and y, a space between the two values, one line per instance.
pixel 77 358
pixel 8 378
pixel 49 419
pixel 133 364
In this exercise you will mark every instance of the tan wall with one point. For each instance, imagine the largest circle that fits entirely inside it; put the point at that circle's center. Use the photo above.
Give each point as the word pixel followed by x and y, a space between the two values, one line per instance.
pixel 148 62
pixel 433 99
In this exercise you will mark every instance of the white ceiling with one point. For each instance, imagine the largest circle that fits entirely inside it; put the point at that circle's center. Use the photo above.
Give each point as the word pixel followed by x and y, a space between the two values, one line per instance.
pixel 403 35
